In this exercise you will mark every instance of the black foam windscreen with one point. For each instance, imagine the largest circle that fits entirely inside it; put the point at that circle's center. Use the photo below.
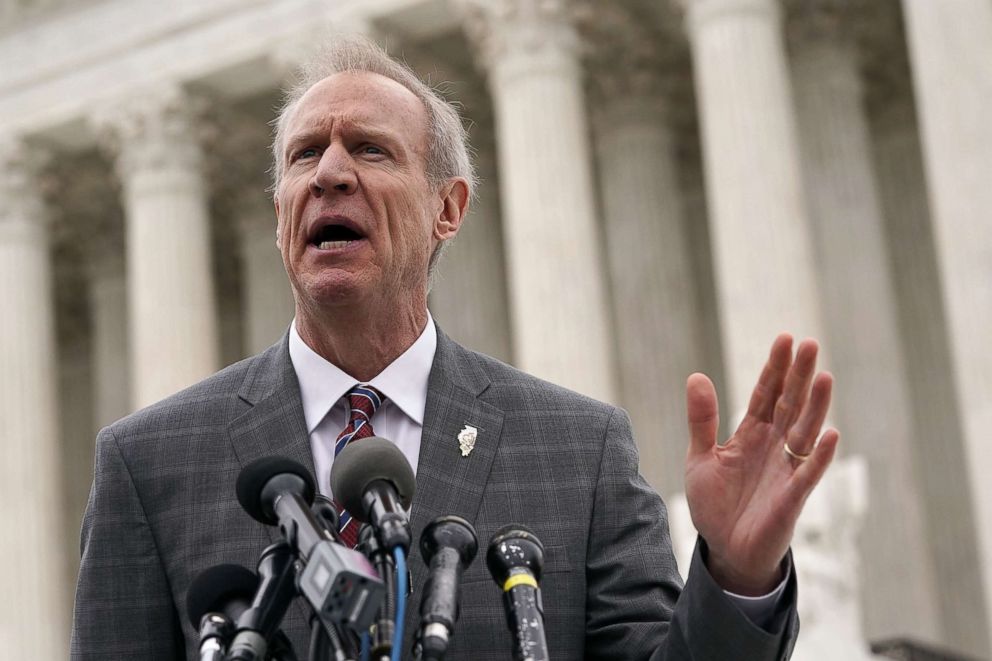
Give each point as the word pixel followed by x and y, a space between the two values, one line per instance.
pixel 217 588
pixel 256 475
pixel 515 528
pixel 511 546
pixel 363 462
pixel 449 532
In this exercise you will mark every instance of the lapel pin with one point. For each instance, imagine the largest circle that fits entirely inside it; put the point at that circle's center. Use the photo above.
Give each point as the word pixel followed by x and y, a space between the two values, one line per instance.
pixel 466 439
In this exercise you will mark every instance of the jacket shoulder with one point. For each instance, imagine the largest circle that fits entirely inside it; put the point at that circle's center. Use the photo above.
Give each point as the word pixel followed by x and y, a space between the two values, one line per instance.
pixel 511 388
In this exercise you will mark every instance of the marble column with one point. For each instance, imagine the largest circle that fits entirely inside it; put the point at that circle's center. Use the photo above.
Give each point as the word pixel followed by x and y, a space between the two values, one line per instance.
pixel 696 221
pixel 33 612
pixel 76 433
pixel 267 299
pixel 255 301
pixel 172 317
pixel 950 48
pixel 562 330
pixel 940 448
pixel 469 297
pixel 109 340
pixel 762 247
pixel 649 265
pixel 872 402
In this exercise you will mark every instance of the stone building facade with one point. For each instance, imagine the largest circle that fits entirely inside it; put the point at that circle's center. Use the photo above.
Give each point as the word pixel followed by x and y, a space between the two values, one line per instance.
pixel 666 185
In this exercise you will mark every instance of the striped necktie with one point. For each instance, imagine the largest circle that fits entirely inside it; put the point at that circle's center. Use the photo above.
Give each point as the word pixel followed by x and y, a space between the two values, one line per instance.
pixel 364 401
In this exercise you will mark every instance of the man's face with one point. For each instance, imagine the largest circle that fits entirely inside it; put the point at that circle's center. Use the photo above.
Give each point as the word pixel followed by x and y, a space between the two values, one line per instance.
pixel 357 217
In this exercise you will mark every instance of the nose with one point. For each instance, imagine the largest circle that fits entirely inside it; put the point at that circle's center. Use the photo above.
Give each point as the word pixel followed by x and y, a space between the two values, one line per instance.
pixel 335 172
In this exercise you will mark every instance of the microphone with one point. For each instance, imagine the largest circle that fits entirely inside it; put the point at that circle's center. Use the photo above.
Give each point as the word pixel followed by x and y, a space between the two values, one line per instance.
pixel 338 582
pixel 216 598
pixel 374 482
pixel 449 545
pixel 276 589
pixel 515 559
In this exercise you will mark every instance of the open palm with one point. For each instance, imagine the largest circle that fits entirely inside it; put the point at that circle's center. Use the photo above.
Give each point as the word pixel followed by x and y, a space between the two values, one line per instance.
pixel 746 495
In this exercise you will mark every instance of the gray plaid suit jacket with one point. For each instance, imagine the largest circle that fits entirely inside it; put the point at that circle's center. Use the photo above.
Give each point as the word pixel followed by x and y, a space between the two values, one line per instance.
pixel 163 508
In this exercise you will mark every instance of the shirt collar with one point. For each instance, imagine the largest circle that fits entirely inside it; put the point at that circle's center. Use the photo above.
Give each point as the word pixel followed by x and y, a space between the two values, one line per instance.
pixel 403 382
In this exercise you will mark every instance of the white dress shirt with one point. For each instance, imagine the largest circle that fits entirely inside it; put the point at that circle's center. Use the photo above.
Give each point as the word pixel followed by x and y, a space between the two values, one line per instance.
pixel 323 387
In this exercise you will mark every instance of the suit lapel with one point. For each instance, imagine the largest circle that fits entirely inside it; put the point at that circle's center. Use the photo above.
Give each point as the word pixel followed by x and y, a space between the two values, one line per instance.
pixel 447 481
pixel 275 424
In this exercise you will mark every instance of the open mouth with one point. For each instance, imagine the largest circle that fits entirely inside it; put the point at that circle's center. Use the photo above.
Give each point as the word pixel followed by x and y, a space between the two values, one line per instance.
pixel 334 236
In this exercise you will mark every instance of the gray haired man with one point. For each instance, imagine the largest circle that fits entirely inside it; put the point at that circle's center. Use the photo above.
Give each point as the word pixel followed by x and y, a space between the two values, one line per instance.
pixel 372 178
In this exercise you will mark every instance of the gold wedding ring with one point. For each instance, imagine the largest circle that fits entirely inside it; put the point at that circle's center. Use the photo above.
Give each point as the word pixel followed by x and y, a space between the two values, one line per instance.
pixel 795 455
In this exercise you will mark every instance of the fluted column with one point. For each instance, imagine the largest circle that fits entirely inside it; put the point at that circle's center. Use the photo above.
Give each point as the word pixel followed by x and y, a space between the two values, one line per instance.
pixel 872 402
pixel 561 321
pixel 697 231
pixel 648 258
pixel 469 297
pixel 172 318
pixel 267 300
pixel 950 47
pixel 76 433
pixel 255 301
pixel 940 448
pixel 109 338
pixel 33 611
pixel 762 246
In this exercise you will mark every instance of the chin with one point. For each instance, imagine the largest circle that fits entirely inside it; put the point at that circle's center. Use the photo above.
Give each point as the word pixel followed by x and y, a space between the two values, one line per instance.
pixel 336 290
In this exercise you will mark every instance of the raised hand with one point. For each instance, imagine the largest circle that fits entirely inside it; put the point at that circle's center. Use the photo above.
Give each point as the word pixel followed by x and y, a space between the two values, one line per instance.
pixel 746 495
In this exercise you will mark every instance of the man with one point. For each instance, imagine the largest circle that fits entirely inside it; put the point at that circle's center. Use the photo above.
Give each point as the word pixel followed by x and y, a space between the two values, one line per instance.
pixel 372 178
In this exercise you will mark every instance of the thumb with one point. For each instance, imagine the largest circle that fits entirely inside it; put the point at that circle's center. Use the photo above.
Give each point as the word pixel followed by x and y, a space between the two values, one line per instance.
pixel 702 413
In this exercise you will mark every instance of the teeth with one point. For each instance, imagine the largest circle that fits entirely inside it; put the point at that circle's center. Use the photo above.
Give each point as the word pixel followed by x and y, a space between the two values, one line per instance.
pixel 330 245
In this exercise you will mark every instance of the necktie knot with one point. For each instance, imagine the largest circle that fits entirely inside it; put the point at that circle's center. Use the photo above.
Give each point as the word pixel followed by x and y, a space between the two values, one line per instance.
pixel 364 401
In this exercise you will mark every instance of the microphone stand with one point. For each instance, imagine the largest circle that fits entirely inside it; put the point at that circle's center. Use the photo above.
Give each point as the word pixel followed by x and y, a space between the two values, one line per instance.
pixel 385 625
pixel 328 643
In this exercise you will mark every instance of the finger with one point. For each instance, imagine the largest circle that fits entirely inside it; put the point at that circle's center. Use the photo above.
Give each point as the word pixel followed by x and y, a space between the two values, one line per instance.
pixel 702 413
pixel 796 389
pixel 769 385
pixel 802 435
pixel 808 474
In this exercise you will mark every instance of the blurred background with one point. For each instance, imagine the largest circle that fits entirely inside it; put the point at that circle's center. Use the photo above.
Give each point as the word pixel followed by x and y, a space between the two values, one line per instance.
pixel 666 185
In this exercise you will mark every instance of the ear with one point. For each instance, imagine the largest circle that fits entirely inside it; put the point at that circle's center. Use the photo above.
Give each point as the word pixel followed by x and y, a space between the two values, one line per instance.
pixel 454 205
pixel 278 225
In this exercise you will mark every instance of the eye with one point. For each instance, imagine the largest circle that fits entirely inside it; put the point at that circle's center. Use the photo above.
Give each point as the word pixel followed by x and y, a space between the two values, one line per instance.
pixel 372 150
pixel 304 154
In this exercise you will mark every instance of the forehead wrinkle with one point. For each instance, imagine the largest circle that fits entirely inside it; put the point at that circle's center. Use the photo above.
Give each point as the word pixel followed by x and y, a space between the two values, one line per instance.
pixel 312 117
pixel 321 130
